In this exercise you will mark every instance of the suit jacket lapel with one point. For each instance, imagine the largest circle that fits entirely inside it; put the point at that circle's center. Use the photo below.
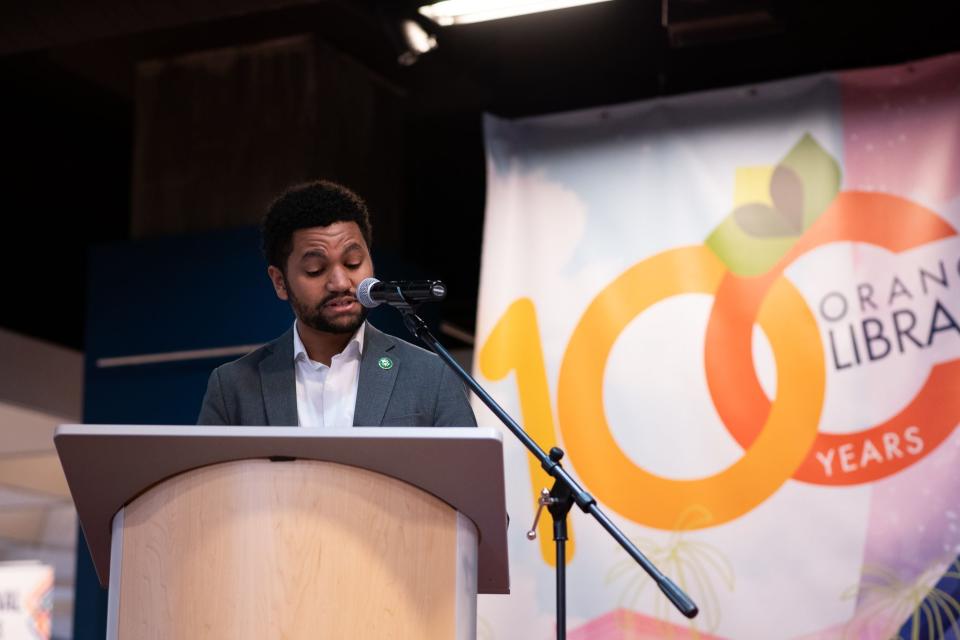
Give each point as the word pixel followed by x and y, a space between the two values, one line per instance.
pixel 376 382
pixel 278 384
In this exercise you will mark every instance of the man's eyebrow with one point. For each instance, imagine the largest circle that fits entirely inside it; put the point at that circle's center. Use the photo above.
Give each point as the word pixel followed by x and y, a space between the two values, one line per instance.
pixel 353 247
pixel 314 253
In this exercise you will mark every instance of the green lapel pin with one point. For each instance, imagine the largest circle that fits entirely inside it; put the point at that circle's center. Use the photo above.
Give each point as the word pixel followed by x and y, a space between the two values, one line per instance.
pixel 385 363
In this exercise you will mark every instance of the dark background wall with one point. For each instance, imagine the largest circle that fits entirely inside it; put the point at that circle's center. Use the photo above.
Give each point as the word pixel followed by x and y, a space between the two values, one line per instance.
pixel 132 119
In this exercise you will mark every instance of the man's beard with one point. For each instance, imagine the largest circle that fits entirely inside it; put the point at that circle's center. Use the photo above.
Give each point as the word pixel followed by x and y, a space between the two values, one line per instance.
pixel 313 316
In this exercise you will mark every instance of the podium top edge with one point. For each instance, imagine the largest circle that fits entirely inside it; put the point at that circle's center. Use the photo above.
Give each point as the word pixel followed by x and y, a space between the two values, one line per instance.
pixel 203 431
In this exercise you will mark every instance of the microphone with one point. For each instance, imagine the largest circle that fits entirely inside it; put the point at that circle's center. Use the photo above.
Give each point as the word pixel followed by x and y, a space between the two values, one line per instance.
pixel 373 292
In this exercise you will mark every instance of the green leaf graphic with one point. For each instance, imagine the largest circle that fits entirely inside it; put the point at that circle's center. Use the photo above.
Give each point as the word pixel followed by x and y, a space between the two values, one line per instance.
pixel 756 235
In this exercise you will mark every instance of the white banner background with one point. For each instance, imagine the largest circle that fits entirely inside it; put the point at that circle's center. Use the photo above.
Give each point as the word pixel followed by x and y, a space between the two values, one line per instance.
pixel 573 201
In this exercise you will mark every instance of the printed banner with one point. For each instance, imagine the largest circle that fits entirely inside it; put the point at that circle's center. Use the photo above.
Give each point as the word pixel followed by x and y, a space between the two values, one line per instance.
pixel 738 312
pixel 26 601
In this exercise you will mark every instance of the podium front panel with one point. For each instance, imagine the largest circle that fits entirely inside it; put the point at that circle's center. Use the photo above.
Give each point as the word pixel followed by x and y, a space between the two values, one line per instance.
pixel 298 549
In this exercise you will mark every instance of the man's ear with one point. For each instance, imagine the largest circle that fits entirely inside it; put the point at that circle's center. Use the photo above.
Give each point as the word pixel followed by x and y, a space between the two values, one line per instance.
pixel 279 284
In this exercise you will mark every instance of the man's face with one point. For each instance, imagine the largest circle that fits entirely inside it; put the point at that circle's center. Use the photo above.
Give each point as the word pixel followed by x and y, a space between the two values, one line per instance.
pixel 323 271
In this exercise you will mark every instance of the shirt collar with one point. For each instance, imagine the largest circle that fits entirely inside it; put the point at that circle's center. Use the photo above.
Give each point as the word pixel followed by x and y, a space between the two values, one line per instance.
pixel 355 344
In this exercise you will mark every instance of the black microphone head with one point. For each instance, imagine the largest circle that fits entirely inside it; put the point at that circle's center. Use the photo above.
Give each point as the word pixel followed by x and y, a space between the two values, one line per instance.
pixel 363 293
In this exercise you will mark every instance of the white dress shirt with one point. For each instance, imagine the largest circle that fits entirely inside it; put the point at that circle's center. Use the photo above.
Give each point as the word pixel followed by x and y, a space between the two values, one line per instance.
pixel 327 396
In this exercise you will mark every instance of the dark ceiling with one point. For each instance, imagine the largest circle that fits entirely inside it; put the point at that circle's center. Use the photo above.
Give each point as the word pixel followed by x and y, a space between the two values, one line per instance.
pixel 67 72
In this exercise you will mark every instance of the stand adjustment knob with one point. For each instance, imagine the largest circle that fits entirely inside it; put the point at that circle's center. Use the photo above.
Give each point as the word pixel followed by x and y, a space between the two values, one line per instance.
pixel 544 500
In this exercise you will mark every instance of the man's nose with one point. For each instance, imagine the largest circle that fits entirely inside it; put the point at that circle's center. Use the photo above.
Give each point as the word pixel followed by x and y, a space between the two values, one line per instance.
pixel 339 279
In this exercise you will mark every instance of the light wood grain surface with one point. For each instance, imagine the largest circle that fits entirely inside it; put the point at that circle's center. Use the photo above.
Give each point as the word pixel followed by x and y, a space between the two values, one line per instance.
pixel 304 549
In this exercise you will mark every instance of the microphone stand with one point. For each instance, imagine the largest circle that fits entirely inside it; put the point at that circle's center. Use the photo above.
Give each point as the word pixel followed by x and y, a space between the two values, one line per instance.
pixel 565 491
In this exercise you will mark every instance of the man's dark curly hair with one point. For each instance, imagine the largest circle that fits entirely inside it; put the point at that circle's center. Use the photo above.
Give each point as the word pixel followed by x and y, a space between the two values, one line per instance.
pixel 312 204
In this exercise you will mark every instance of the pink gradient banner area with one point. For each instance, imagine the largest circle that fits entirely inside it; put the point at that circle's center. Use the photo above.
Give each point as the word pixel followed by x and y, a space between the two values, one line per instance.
pixel 739 313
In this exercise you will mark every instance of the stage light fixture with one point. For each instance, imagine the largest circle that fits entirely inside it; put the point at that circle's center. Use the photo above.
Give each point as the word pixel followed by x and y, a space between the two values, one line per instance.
pixel 416 42
pixel 450 12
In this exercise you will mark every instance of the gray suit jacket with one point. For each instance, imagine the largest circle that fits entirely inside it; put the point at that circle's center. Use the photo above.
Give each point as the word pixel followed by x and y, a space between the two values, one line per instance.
pixel 419 390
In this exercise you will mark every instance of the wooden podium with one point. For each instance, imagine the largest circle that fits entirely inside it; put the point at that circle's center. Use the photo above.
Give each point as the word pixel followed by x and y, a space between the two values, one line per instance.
pixel 276 532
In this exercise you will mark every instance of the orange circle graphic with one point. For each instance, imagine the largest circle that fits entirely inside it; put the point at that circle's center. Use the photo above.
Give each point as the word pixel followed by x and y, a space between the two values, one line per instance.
pixel 774 455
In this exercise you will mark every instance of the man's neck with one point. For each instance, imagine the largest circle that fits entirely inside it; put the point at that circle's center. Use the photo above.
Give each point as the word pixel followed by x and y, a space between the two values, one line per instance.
pixel 321 346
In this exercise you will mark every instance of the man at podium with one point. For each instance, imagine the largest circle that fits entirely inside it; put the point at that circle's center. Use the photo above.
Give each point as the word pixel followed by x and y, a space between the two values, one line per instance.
pixel 331 368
